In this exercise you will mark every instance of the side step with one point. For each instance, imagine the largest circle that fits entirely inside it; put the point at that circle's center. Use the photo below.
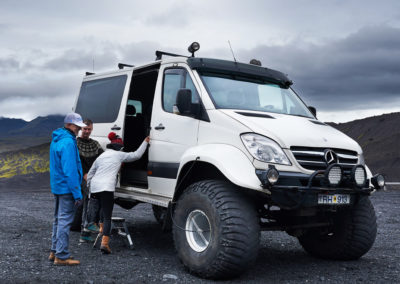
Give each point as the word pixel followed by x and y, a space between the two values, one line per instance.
pixel 136 194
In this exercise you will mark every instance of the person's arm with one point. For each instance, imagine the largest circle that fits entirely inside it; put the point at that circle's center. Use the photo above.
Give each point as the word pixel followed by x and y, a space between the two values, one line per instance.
pixel 99 149
pixel 91 173
pixel 133 156
pixel 70 168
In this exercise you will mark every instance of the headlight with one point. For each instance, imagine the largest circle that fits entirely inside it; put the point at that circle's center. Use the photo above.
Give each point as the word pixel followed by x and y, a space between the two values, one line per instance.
pixel 264 149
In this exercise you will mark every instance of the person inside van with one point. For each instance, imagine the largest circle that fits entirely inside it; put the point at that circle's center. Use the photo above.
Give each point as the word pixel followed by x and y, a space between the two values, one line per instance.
pixel 102 179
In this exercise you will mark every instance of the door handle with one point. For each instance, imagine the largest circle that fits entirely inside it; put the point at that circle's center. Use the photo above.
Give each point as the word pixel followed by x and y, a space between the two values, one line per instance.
pixel 159 127
pixel 115 127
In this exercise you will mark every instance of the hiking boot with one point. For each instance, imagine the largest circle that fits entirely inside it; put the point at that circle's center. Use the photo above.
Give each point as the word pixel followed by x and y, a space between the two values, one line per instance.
pixel 52 256
pixel 67 261
pixel 104 247
pixel 93 228
pixel 101 228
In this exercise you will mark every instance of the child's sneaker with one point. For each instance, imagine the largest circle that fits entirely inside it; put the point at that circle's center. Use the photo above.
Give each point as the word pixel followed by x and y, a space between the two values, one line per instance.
pixel 86 238
pixel 93 228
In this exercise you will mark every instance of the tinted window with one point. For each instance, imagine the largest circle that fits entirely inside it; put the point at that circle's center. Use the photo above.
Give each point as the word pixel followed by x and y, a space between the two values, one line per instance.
pixel 100 100
pixel 137 107
pixel 175 79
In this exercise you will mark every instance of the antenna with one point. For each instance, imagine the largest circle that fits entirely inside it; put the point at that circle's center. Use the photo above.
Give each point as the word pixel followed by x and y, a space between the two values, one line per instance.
pixel 232 51
pixel 93 63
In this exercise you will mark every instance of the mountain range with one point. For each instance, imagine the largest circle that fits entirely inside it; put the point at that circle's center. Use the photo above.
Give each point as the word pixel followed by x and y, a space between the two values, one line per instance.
pixel 24 145
pixel 379 137
pixel 16 134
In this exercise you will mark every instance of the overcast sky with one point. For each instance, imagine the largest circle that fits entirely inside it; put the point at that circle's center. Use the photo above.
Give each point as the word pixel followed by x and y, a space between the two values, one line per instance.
pixel 342 55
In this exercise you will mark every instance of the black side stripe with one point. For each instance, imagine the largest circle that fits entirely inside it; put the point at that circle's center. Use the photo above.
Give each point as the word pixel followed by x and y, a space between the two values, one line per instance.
pixel 163 170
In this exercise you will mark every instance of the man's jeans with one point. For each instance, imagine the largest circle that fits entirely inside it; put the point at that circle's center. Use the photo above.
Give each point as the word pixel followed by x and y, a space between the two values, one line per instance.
pixel 63 216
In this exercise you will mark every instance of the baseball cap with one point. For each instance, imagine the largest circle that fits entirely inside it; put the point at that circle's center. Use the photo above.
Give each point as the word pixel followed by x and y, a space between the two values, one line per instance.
pixel 74 118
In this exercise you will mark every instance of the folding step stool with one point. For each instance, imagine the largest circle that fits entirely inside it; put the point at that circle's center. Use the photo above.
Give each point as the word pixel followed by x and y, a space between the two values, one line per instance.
pixel 118 223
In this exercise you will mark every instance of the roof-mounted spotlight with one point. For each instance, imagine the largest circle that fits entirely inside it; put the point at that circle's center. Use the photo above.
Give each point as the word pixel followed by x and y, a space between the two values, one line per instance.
pixel 255 62
pixel 195 46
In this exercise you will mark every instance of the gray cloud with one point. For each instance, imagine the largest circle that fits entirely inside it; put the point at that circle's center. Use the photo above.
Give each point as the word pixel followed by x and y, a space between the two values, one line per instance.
pixel 76 59
pixel 362 69
pixel 8 64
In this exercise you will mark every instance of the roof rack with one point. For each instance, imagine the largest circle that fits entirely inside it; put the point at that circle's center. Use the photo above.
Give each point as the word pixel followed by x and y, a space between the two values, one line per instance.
pixel 89 73
pixel 159 54
pixel 122 65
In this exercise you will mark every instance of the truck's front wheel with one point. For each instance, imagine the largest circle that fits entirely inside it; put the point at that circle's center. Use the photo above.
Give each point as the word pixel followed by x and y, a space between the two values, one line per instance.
pixel 351 236
pixel 216 230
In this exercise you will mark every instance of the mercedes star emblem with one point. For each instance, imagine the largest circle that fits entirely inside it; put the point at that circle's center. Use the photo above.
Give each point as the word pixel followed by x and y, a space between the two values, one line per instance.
pixel 331 157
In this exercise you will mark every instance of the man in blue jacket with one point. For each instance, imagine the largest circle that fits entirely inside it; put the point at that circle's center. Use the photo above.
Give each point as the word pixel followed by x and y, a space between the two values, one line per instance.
pixel 65 182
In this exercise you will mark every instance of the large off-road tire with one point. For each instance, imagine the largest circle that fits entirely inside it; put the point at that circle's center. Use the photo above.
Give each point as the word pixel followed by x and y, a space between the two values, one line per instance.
pixel 351 236
pixel 77 222
pixel 216 230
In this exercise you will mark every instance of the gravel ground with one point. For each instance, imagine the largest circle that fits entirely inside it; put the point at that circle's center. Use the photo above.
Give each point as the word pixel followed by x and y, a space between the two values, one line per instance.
pixel 25 231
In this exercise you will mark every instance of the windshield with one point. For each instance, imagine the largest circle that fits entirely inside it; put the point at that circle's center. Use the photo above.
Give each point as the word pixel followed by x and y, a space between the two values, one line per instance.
pixel 233 92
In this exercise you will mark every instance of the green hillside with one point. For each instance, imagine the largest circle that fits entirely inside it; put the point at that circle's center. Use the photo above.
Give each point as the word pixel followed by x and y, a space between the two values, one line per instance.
pixel 28 161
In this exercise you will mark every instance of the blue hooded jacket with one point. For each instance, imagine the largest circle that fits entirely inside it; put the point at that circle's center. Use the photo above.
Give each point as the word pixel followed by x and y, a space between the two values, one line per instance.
pixel 65 164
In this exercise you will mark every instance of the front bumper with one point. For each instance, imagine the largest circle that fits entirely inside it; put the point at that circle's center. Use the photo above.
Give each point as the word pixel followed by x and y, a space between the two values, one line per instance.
pixel 298 190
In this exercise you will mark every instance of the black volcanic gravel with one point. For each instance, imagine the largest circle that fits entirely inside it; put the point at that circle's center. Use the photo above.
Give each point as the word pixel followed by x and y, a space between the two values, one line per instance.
pixel 25 231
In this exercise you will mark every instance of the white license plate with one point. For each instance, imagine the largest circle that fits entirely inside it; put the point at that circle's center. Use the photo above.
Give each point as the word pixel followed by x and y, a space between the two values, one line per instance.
pixel 333 199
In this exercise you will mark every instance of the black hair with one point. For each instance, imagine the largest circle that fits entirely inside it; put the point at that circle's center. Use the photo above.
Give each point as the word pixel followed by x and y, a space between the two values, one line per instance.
pixel 88 122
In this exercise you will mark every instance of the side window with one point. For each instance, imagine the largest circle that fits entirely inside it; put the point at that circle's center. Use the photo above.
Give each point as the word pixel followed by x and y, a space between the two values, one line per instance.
pixel 172 83
pixel 100 100
pixel 175 79
pixel 189 85
pixel 134 108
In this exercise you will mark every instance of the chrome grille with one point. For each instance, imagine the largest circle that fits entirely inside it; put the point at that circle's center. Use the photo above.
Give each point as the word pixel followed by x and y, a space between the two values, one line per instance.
pixel 312 158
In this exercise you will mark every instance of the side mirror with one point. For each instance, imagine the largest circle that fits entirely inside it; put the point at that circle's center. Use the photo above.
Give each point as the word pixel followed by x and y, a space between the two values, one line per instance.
pixel 184 101
pixel 313 110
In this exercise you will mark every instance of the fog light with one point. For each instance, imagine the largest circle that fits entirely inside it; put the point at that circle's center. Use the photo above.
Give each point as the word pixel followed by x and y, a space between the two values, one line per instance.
pixel 272 175
pixel 359 175
pixel 378 181
pixel 334 174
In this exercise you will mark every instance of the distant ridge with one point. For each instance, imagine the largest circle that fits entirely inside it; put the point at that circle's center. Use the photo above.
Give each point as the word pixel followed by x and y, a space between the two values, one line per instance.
pixel 9 124
pixel 40 126
pixel 19 134
pixel 379 137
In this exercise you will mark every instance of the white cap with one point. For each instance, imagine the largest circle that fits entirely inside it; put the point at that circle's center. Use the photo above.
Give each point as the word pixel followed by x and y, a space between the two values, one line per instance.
pixel 74 118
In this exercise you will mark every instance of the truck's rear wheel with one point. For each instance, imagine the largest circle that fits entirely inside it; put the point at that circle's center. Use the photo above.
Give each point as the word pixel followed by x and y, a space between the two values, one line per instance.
pixel 216 230
pixel 351 236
